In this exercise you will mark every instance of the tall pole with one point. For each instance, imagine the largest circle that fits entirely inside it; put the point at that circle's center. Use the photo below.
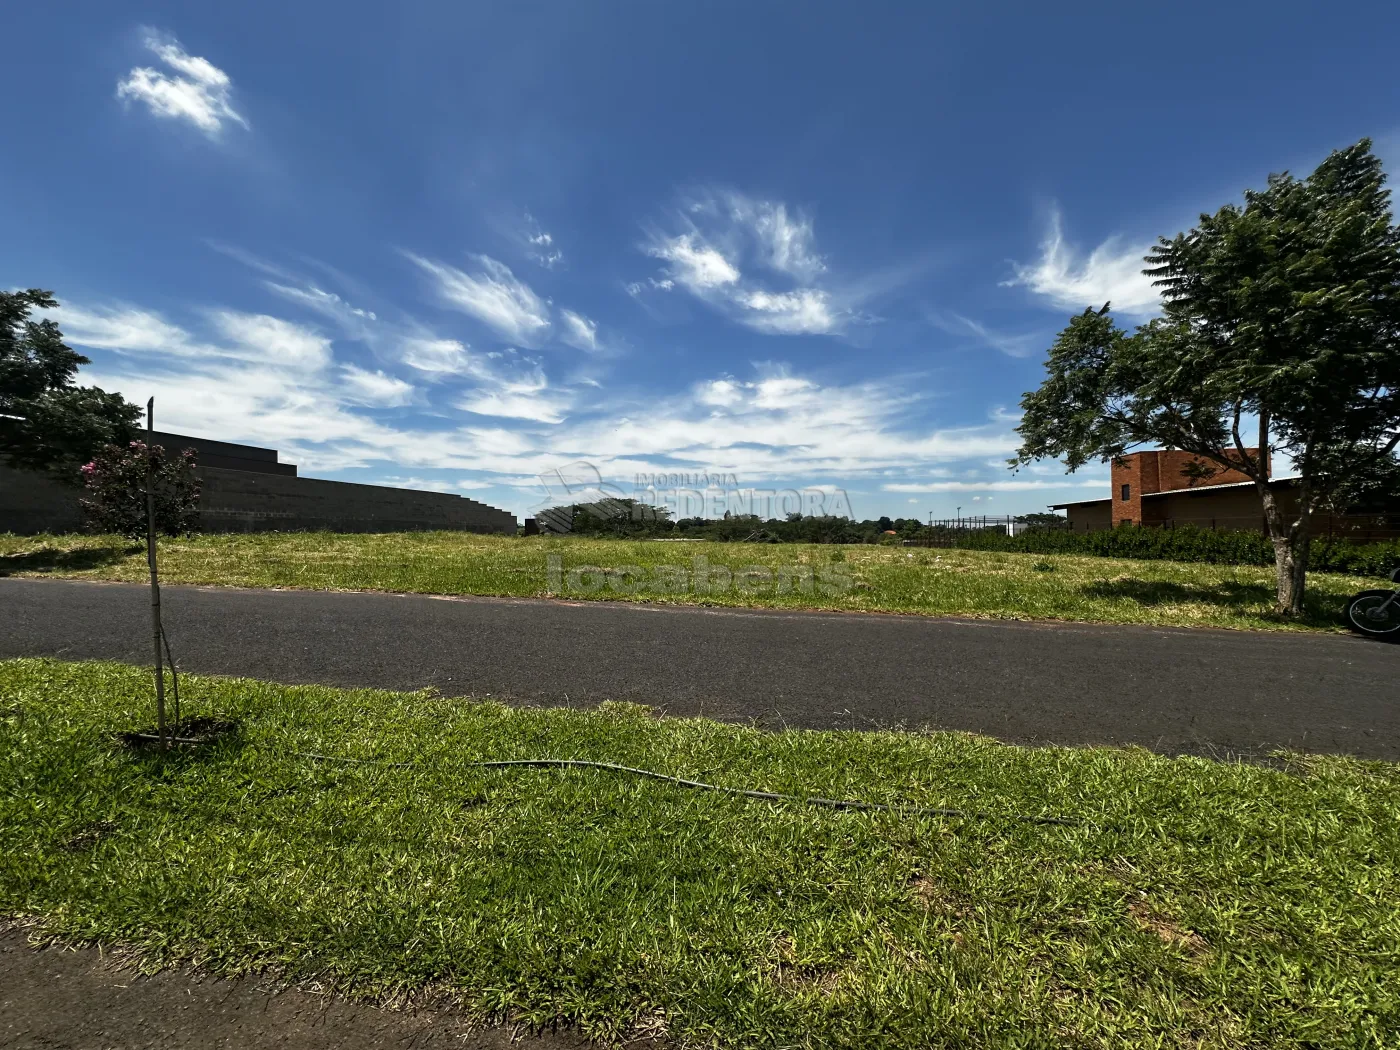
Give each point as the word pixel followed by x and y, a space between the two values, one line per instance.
pixel 151 562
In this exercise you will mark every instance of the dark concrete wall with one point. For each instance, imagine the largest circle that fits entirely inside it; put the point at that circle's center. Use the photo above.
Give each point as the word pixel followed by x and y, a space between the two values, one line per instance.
pixel 251 501
pixel 31 502
pixel 224 453
pixel 244 501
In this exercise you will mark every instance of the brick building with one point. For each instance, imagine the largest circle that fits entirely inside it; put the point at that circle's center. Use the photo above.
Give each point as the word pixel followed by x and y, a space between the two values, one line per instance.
pixel 246 489
pixel 1161 487
pixel 1141 482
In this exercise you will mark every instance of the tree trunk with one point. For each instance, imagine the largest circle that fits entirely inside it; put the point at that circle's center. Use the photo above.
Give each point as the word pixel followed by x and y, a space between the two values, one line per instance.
pixel 1291 542
pixel 1291 569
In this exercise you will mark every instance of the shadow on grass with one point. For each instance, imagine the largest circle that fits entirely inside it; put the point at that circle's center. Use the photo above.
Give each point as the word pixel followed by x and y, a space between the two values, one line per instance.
pixel 1253 599
pixel 52 559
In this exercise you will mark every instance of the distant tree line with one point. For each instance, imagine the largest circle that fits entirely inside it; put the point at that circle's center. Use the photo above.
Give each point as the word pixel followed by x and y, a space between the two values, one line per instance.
pixel 628 519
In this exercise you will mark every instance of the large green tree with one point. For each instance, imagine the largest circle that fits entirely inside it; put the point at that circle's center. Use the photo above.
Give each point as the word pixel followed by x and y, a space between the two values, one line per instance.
pixel 46 422
pixel 1281 313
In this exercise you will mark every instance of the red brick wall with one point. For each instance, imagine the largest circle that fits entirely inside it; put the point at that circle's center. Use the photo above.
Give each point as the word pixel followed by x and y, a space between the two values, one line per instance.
pixel 1158 470
pixel 1128 471
pixel 1170 464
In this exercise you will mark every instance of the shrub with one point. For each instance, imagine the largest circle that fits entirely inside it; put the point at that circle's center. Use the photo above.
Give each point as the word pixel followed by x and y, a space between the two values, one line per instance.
pixel 115 484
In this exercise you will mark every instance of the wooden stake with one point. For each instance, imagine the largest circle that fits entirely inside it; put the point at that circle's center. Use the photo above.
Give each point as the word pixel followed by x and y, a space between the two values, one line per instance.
pixel 151 562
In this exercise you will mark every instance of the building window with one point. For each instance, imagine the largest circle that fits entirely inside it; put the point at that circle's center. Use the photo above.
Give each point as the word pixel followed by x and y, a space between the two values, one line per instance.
pixel 1127 493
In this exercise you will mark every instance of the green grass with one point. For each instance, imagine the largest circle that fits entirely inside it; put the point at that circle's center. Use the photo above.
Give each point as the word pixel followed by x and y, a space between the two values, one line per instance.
pixel 878 579
pixel 1203 904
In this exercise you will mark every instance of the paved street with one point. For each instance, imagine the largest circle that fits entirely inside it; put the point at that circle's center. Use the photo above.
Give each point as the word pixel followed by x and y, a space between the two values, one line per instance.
pixel 1172 690
pixel 52 999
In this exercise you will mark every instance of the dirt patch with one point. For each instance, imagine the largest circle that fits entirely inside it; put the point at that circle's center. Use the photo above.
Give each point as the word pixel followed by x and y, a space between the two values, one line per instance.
pixel 798 978
pixel 188 733
pixel 89 836
pixel 58 999
pixel 935 896
pixel 1170 933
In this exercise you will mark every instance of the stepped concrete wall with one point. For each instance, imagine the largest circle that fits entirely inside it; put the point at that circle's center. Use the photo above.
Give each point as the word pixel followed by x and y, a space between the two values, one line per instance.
pixel 245 501
pixel 255 501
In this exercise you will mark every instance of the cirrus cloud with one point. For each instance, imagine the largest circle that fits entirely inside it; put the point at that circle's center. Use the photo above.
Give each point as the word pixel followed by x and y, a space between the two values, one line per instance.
pixel 728 236
pixel 1112 272
pixel 195 91
pixel 493 295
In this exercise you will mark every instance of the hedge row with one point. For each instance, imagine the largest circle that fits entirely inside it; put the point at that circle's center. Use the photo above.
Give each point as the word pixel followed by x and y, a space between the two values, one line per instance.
pixel 1188 543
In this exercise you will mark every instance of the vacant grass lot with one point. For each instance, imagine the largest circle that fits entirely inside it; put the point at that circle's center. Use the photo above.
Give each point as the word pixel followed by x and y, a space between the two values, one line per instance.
pixel 1201 904
pixel 883 579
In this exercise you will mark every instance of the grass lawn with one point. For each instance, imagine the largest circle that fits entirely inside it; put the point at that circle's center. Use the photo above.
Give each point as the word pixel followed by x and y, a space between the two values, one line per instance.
pixel 868 578
pixel 1201 905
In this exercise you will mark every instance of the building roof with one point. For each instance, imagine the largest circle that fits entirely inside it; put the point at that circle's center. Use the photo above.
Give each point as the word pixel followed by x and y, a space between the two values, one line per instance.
pixel 1192 490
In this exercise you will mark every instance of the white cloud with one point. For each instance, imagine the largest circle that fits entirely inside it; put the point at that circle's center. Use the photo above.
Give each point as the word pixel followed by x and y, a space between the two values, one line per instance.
pixel 501 383
pixel 514 387
pixel 636 288
pixel 326 303
pixel 245 337
pixel 198 91
pixel 494 296
pixel 410 343
pixel 531 406
pixel 437 356
pixel 779 391
pixel 1111 273
pixel 787 244
pixel 375 388
pixel 124 328
pixel 729 236
pixel 259 337
pixel 807 311
pixel 423 484
pixel 696 265
pixel 579 331
pixel 719 392
pixel 542 248
pixel 776 426
pixel 992 485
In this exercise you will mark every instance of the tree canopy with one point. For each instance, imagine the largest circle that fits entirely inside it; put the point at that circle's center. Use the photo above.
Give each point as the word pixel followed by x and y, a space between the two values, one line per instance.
pixel 1284 311
pixel 46 422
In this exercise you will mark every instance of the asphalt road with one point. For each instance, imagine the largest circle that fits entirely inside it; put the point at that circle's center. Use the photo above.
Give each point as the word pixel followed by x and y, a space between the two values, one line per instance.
pixel 52 999
pixel 1171 690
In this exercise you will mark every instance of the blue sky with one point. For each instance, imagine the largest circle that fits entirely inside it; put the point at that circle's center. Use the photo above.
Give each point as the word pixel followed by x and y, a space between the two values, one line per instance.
pixel 808 244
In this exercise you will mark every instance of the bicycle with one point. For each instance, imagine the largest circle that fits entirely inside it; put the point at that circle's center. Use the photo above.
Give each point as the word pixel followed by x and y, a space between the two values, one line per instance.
pixel 1377 612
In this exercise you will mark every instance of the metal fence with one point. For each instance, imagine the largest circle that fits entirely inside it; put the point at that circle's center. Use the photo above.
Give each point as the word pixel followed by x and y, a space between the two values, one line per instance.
pixel 944 532
pixel 1012 525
